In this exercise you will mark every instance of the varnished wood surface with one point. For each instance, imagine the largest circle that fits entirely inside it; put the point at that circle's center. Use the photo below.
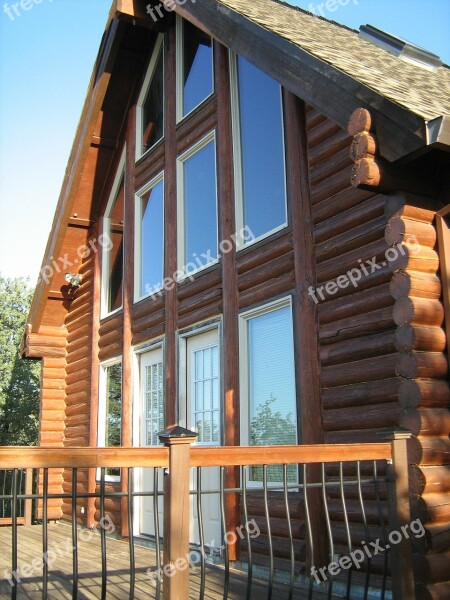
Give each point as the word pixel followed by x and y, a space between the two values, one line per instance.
pixel 60 573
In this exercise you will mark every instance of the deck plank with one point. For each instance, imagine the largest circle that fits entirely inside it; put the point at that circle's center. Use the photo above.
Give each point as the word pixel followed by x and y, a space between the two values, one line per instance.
pixel 118 565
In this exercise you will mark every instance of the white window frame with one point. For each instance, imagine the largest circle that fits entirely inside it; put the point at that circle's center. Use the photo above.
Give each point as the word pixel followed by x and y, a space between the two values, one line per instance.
pixel 101 424
pixel 159 48
pixel 244 318
pixel 179 72
pixel 106 253
pixel 183 337
pixel 237 159
pixel 182 260
pixel 138 236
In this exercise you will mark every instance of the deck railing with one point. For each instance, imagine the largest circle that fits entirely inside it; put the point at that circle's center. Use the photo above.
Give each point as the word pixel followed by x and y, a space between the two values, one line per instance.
pixel 349 497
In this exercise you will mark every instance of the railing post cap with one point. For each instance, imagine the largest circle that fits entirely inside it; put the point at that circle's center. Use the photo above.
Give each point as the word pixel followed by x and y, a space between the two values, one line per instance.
pixel 395 434
pixel 177 434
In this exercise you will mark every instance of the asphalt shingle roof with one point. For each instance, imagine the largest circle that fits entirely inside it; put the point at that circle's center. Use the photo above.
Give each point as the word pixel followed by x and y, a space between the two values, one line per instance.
pixel 422 92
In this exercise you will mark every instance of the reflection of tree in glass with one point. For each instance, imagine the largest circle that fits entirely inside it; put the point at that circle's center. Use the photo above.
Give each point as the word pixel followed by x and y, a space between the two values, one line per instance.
pixel 204 430
pixel 113 405
pixel 269 428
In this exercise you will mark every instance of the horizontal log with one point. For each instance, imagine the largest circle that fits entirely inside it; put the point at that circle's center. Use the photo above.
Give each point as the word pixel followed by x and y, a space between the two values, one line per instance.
pixel 431 568
pixel 47 340
pixel 360 120
pixel 82 374
pixel 426 421
pixel 276 504
pixel 357 417
pixel 265 291
pixel 79 397
pixel 354 259
pixel 78 386
pixel 368 369
pixel 367 210
pixel 194 303
pixel 354 512
pixel 361 394
pixel 360 325
pixel 436 479
pixel 355 304
pixel 111 324
pixel 77 409
pixel 432 507
pixel 417 337
pixel 345 200
pixel 111 351
pixel 278 526
pixel 51 404
pixel 257 256
pixel 328 147
pixel 424 393
pixel 320 171
pixel 81 342
pixel 74 324
pixel 313 117
pixel 420 311
pixel 147 306
pixel 200 284
pixel 414 283
pixel 110 338
pixel 54 363
pixel 81 363
pixel 363 347
pixel 54 373
pixel 364 145
pixel 369 231
pixel 76 421
pixel 435 591
pixel 148 334
pixel 430 450
pixel 400 229
pixel 281 546
pixel 209 311
pixel 263 273
pixel 413 257
pixel 357 436
pixel 385 177
pixel 149 320
pixel 322 131
pixel 327 188
pixel 412 206
pixel 432 365
pixel 74 356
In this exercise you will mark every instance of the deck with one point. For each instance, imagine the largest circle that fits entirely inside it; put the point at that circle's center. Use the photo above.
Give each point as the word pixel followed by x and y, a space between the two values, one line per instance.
pixel 89 553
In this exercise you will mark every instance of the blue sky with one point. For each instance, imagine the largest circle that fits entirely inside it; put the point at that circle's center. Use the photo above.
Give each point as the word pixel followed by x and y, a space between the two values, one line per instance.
pixel 46 57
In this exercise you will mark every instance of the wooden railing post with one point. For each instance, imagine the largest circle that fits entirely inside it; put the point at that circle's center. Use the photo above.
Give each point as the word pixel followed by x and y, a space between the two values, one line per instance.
pixel 400 517
pixel 176 513
pixel 28 503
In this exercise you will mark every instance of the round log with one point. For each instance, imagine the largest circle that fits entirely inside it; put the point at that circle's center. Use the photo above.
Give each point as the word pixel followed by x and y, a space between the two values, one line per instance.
pixel 415 337
pixel 412 257
pixel 420 311
pixel 430 450
pixel 431 568
pixel 365 347
pixel 360 394
pixel 435 591
pixel 426 421
pixel 424 392
pixel 363 145
pixel 360 120
pixel 431 365
pixel 437 479
pixel 411 206
pixel 415 283
pixel 355 304
pixel 366 417
pixel 400 229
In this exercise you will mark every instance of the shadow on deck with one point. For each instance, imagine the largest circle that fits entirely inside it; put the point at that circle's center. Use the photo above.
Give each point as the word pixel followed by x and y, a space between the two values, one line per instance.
pixel 118 566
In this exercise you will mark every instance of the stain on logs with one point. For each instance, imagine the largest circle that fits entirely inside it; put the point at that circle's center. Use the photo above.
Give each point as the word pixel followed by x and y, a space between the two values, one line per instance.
pixel 415 283
pixel 400 230
pixel 419 311
pixel 424 392
pixel 417 337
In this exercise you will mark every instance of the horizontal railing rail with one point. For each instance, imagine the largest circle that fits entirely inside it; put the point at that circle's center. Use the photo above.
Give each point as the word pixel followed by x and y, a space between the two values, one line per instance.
pixel 334 493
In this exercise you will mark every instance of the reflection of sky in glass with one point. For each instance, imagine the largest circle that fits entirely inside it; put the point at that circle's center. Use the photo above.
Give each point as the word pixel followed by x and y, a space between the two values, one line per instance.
pixel 263 170
pixel 200 210
pixel 271 363
pixel 198 68
pixel 152 239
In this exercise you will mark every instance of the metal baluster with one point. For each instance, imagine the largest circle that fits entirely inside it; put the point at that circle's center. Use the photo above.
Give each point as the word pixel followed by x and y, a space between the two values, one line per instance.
pixel 269 533
pixel 74 535
pixel 347 528
pixel 103 531
pixel 329 531
pixel 130 533
pixel 201 533
pixel 366 528
pixel 224 528
pixel 383 529
pixel 156 523
pixel 14 533
pixel 308 529
pixel 291 540
pixel 249 547
pixel 45 535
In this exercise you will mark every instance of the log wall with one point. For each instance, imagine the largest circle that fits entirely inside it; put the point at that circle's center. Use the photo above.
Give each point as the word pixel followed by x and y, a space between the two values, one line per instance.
pixel 382 343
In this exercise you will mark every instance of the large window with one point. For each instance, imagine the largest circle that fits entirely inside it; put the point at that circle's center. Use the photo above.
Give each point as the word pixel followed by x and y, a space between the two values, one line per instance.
pixel 259 155
pixel 110 410
pixel 268 396
pixel 113 230
pixel 150 106
pixel 149 238
pixel 195 73
pixel 197 206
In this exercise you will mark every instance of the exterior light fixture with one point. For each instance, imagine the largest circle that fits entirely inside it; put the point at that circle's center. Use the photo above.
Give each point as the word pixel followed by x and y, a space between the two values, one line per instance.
pixel 73 279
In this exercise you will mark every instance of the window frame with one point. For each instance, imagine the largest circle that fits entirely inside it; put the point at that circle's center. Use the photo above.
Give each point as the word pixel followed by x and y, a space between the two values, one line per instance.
pixel 101 415
pixel 179 73
pixel 138 237
pixel 237 157
pixel 120 172
pixel 157 51
pixel 244 379
pixel 181 237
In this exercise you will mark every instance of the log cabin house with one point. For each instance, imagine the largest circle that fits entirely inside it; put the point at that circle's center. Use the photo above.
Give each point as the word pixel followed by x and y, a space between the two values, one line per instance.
pixel 257 207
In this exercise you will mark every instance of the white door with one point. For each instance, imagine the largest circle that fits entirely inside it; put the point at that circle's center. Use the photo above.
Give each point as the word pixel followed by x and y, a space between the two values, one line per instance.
pixel 151 412
pixel 203 415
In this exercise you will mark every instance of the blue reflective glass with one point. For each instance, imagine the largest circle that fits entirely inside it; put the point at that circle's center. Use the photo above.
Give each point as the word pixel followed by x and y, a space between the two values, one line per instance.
pixel 152 239
pixel 197 67
pixel 262 149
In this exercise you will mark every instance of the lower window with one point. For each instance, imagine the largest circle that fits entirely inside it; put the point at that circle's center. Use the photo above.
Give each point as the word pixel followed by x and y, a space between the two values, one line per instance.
pixel 110 410
pixel 268 396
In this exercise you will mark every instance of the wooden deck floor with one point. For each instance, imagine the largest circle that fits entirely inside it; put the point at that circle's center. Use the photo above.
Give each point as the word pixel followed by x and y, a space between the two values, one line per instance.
pixel 60 571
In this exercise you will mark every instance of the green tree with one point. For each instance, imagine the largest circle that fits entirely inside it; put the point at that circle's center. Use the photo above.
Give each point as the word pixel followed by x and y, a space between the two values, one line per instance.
pixel 19 379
